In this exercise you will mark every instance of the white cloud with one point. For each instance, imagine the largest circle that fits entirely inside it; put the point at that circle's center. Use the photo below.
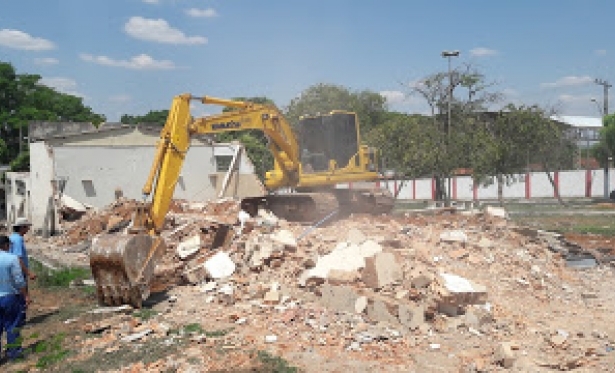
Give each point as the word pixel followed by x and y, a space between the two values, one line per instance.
pixel 569 81
pixel 121 98
pixel 64 85
pixel 46 61
pixel 202 13
pixel 158 30
pixel 140 62
pixel 394 97
pixel 483 52
pixel 151 1
pixel 574 99
pixel 510 92
pixel 20 40
pixel 600 52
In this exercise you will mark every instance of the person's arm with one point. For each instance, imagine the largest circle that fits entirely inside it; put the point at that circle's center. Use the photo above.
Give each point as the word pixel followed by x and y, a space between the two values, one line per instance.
pixel 26 271
pixel 19 280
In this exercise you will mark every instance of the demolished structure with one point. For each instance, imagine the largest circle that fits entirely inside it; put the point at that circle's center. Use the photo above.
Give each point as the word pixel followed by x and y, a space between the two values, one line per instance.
pixel 458 290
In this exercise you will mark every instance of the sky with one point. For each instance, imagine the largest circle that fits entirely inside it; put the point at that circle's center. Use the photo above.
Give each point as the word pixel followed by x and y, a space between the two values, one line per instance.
pixel 133 56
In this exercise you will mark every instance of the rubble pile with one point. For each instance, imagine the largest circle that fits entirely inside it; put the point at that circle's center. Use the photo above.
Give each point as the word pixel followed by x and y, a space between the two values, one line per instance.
pixel 379 288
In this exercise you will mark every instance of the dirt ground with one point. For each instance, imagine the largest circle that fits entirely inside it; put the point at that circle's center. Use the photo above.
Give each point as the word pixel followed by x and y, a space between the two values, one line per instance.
pixel 553 317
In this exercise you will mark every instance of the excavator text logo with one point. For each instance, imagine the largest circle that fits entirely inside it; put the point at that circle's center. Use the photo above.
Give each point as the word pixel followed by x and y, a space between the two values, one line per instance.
pixel 225 125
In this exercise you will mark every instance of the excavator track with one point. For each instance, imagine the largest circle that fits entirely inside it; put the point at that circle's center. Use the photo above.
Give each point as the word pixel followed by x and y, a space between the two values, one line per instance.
pixel 313 207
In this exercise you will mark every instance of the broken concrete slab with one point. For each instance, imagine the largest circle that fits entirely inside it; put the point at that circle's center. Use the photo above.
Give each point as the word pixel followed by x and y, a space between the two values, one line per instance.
pixel 189 247
pixel 459 290
pixel 381 270
pixel 411 316
pixel 454 236
pixel 504 355
pixel 498 212
pixel 380 310
pixel 355 236
pixel 345 257
pixel 220 265
pixel 339 298
pixel 286 238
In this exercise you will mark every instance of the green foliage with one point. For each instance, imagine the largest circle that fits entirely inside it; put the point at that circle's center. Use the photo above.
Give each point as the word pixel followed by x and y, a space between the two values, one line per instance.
pixel 21 163
pixel 218 333
pixel 323 98
pixel 158 117
pixel 607 138
pixel 193 328
pixel 22 100
pixel 57 278
pixel 52 351
pixel 145 313
pixel 275 364
pixel 407 143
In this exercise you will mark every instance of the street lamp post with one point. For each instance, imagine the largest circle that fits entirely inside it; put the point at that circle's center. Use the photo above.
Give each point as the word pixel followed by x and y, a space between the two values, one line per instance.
pixel 448 55
pixel 605 111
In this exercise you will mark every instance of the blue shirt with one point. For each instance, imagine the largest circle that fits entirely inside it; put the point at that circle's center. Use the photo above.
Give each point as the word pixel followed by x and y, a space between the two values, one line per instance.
pixel 18 247
pixel 11 277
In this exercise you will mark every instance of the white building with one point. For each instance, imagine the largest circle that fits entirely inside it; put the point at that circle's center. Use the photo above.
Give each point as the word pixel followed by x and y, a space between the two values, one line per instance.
pixel 585 130
pixel 88 165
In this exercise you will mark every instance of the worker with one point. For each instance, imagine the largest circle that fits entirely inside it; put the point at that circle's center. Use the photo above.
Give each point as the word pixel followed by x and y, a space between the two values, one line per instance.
pixel 12 291
pixel 18 247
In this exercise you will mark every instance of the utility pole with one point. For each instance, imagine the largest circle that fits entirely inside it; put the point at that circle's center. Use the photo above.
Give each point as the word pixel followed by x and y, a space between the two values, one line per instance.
pixel 605 111
pixel 448 55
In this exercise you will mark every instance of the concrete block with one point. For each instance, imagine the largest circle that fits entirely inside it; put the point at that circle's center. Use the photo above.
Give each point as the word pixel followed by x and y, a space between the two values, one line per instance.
pixel 360 304
pixel 189 247
pixel 339 298
pixel 460 291
pixel 381 311
pixel 411 316
pixel 504 355
pixel 220 265
pixel 478 316
pixel 196 274
pixel 345 257
pixel 498 212
pixel 286 238
pixel 380 270
pixel 338 277
pixel 420 279
pixel 454 236
pixel 355 236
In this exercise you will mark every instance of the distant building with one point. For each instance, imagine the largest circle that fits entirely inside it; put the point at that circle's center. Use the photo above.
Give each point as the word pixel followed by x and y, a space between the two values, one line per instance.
pixel 76 163
pixel 584 130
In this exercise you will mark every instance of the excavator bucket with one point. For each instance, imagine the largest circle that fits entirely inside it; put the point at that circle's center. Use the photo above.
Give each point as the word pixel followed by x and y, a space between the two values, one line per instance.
pixel 123 267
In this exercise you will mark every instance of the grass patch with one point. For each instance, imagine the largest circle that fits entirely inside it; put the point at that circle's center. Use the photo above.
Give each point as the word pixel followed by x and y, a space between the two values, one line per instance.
pixel 275 364
pixel 62 277
pixel 51 351
pixel 218 333
pixel 193 328
pixel 145 313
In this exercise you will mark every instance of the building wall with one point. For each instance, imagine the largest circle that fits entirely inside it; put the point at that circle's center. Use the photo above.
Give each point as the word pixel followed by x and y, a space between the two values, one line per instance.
pixel 89 167
pixel 571 184
pixel 18 196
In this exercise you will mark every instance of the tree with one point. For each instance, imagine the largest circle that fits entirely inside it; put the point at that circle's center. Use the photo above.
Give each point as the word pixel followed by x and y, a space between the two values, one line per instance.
pixel 607 136
pixel 24 99
pixel 471 99
pixel 254 141
pixel 158 117
pixel 323 98
pixel 517 137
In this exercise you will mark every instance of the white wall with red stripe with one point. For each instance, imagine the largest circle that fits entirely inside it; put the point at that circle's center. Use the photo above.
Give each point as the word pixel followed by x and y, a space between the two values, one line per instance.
pixel 571 184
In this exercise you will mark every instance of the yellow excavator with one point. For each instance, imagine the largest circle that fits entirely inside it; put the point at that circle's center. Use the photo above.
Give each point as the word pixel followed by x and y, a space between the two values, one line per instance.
pixel 324 150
